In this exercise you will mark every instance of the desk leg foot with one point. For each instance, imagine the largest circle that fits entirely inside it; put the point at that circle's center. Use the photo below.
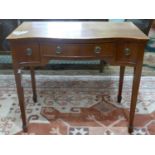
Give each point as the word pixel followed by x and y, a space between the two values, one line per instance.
pixel 25 129
pixel 130 129
pixel 119 98
pixel 34 99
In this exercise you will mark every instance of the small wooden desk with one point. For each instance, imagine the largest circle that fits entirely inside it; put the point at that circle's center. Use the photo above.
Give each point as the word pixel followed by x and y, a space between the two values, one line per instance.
pixel 35 43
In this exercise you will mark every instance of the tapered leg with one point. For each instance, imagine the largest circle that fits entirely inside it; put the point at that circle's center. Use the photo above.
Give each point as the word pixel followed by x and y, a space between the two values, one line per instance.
pixel 135 88
pixel 33 84
pixel 121 79
pixel 20 93
pixel 102 66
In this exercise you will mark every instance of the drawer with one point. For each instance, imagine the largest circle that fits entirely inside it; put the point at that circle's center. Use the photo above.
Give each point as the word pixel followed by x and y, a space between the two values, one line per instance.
pixel 78 50
pixel 127 52
pixel 26 52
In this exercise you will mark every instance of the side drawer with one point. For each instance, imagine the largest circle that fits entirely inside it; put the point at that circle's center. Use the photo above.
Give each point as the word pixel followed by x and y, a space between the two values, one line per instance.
pixel 26 52
pixel 127 52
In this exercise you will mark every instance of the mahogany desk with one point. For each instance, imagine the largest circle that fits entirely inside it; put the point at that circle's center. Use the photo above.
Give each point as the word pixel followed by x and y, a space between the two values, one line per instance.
pixel 35 43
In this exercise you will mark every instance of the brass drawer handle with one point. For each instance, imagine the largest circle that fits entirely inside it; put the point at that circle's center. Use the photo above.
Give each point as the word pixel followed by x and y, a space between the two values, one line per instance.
pixel 127 51
pixel 97 49
pixel 58 50
pixel 28 51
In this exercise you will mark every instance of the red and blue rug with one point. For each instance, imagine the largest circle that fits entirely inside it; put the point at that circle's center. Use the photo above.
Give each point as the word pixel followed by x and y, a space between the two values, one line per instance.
pixel 77 105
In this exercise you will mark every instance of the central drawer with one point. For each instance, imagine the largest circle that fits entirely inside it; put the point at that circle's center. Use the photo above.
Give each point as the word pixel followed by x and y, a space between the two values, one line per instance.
pixel 78 50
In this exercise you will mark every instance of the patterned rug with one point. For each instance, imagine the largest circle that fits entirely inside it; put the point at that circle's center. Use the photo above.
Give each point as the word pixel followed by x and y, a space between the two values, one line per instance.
pixel 76 105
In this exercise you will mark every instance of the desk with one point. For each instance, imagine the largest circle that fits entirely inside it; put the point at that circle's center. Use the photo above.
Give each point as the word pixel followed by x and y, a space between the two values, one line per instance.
pixel 35 43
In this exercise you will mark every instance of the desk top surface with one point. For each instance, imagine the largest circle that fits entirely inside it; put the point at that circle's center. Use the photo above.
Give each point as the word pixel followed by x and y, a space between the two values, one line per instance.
pixel 77 30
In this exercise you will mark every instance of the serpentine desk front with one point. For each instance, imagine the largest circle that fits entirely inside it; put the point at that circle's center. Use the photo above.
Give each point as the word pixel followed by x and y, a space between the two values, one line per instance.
pixel 35 43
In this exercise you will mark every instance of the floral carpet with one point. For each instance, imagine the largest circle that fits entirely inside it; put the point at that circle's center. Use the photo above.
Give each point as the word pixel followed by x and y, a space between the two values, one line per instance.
pixel 76 105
